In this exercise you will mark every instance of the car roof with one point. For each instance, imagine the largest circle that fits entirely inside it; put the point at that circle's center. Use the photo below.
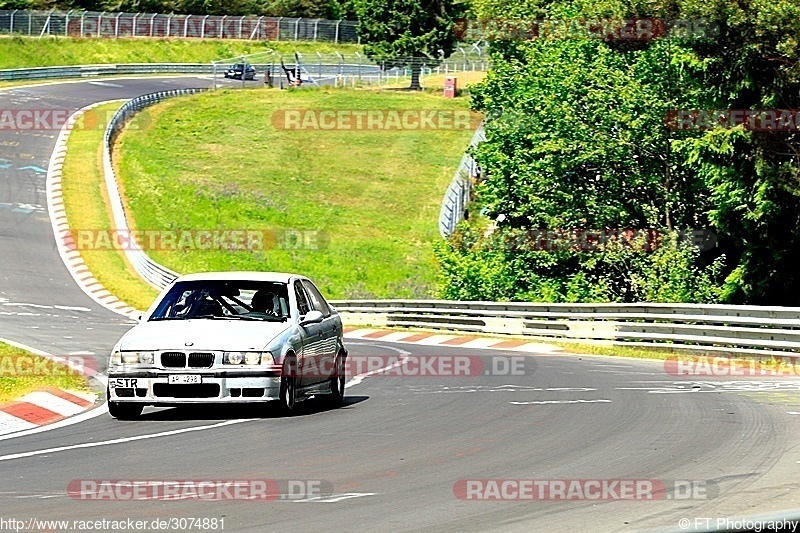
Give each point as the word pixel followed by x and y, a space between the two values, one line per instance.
pixel 280 277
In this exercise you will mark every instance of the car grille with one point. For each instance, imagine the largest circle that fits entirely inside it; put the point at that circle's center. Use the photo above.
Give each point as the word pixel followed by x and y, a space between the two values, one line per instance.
pixel 173 360
pixel 201 360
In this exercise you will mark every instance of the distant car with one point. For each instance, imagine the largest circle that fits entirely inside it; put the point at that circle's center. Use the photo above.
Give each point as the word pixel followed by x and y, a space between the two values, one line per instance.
pixel 235 71
pixel 230 337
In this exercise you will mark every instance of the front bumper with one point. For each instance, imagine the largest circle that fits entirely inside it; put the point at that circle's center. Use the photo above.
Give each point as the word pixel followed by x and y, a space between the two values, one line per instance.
pixel 154 387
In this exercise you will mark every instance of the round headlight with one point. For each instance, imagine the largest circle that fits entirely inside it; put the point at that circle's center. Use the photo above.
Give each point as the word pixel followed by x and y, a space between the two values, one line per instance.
pixel 252 358
pixel 146 358
pixel 235 358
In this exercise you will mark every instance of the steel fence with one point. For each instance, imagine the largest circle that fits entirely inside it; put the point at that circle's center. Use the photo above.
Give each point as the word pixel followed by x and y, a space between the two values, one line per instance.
pixel 731 329
pixel 458 194
pixel 121 25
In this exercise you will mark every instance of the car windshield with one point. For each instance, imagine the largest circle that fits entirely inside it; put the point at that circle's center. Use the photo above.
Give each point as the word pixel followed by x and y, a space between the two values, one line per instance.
pixel 224 300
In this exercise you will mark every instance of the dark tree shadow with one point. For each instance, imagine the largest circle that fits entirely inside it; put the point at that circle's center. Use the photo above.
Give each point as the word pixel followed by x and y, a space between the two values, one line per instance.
pixel 222 412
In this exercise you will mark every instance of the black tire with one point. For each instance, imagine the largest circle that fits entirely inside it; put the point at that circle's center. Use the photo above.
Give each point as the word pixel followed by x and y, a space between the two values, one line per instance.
pixel 125 411
pixel 338 380
pixel 288 391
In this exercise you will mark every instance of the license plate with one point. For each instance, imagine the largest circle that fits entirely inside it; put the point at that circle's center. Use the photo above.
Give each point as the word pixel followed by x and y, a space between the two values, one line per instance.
pixel 184 378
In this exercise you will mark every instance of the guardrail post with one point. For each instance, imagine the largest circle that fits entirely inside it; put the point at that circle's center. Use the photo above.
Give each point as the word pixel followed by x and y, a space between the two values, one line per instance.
pixel 258 29
pixel 47 23
pixel 341 63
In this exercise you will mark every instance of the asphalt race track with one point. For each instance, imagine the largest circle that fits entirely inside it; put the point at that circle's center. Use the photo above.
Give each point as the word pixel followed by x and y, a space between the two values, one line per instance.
pixel 397 452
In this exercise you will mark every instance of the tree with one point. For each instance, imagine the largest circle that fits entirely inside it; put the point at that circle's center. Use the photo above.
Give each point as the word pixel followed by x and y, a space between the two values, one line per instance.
pixel 579 141
pixel 406 32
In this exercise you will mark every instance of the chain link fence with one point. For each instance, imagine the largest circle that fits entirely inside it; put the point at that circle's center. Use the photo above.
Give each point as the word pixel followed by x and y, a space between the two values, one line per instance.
pixel 118 25
pixel 350 69
pixel 459 192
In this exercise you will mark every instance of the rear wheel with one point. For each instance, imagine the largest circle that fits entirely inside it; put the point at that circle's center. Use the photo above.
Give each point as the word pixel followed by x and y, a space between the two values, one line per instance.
pixel 336 397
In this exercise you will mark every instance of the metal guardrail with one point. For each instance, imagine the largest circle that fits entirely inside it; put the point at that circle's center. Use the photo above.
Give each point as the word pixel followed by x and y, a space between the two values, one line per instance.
pixel 155 274
pixel 332 69
pixel 731 329
pixel 459 191
pixel 85 71
pixel 148 25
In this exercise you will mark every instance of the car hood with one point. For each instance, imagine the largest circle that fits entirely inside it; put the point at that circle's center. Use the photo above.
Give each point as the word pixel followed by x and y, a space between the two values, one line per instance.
pixel 203 334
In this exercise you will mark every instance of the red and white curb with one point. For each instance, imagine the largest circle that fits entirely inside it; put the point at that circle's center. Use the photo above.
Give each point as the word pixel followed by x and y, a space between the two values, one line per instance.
pixel 58 217
pixel 452 341
pixel 43 407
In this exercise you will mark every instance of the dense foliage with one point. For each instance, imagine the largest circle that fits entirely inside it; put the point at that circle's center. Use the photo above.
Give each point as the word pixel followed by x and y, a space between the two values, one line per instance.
pixel 578 138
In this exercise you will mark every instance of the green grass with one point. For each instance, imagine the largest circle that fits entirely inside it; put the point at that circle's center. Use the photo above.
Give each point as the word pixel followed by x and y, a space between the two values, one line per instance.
pixel 618 350
pixel 24 52
pixel 86 204
pixel 18 378
pixel 216 161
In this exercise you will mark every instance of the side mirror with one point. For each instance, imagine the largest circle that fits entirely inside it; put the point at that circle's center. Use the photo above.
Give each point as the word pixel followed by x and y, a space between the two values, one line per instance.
pixel 313 317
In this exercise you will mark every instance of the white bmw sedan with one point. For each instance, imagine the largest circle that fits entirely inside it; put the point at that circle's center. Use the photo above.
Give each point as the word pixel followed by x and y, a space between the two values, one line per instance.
pixel 230 337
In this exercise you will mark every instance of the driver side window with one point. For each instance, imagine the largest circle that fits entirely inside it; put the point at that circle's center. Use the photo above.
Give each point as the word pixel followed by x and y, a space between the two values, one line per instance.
pixel 302 301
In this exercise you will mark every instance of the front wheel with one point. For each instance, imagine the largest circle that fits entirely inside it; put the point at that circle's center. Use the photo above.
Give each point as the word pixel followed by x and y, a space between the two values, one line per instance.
pixel 124 411
pixel 288 390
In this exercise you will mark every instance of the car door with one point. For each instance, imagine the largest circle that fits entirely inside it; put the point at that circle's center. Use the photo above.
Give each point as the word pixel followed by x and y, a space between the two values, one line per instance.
pixel 308 362
pixel 329 327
